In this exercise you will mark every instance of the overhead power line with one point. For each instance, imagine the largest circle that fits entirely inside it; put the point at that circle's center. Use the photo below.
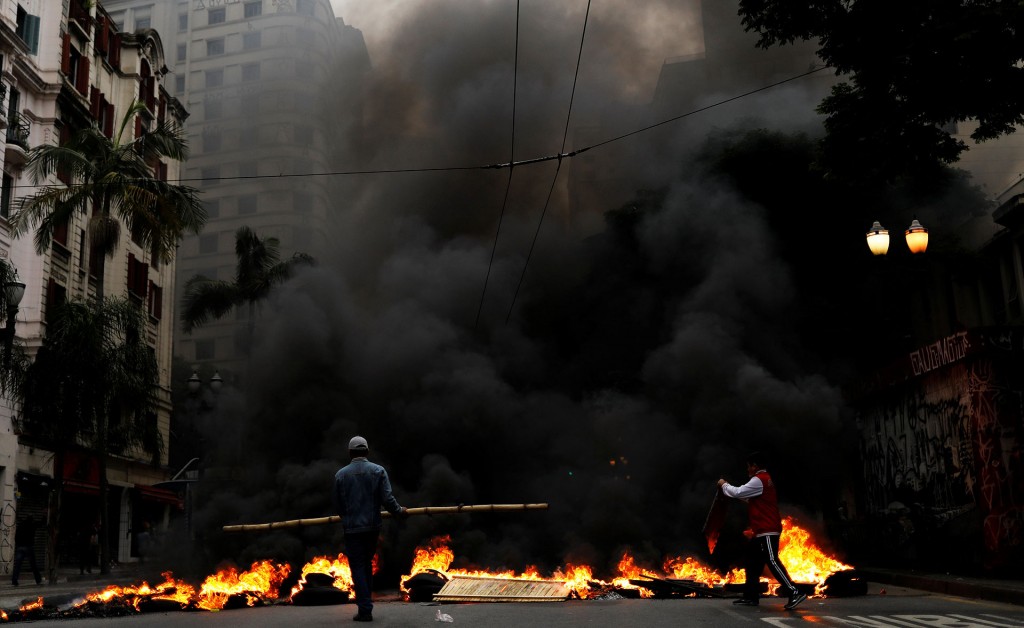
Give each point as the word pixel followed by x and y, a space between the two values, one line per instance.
pixel 554 178
pixel 508 185
pixel 502 165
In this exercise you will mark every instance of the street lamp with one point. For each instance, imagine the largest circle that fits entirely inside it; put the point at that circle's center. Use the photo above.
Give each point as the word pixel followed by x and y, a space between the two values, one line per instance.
pixel 916 234
pixel 194 383
pixel 14 292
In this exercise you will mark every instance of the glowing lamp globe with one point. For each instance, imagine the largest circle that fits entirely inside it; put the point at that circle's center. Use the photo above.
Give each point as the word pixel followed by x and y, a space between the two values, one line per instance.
pixel 917 237
pixel 878 239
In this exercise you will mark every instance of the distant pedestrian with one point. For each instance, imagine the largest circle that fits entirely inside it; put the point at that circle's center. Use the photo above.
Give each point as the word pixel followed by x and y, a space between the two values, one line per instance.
pixel 24 547
pixel 88 543
pixel 763 533
pixel 361 489
pixel 144 541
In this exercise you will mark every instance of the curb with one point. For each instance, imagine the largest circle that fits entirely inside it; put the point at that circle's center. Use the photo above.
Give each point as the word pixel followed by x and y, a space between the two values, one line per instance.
pixel 951 585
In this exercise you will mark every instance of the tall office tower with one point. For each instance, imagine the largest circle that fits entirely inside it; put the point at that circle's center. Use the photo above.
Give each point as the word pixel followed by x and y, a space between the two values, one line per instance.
pixel 262 81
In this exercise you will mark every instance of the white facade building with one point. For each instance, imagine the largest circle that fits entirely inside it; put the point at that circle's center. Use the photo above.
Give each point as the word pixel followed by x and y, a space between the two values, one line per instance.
pixel 65 66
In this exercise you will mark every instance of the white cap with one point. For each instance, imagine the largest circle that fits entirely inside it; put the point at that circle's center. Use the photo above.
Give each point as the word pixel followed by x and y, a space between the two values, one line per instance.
pixel 358 442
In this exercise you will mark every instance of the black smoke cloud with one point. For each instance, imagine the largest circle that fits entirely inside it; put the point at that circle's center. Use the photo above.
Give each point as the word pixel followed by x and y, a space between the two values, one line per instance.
pixel 620 415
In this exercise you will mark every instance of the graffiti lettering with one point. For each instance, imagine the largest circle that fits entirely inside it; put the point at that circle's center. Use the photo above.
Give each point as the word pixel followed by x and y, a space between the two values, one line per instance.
pixel 941 353
pixel 7 517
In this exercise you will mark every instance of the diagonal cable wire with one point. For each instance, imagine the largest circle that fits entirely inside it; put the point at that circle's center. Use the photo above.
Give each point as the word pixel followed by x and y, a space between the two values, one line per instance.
pixel 498 166
pixel 558 168
pixel 511 161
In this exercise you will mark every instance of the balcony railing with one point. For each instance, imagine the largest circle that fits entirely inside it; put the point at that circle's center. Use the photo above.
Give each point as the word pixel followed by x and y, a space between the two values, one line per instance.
pixel 18 131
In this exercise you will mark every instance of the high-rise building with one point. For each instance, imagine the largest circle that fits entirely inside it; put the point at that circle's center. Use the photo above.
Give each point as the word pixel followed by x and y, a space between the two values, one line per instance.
pixel 65 66
pixel 261 80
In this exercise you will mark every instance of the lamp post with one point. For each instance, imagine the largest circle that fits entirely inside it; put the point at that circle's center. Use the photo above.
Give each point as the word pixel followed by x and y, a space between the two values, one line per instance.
pixel 14 292
pixel 916 234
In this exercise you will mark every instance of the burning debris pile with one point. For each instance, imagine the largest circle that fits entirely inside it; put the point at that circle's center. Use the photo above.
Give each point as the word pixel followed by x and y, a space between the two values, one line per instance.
pixel 325 580
pixel 227 589
pixel 817 574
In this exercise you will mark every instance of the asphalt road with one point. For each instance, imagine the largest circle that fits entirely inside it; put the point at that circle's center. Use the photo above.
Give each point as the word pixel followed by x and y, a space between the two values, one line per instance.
pixel 896 608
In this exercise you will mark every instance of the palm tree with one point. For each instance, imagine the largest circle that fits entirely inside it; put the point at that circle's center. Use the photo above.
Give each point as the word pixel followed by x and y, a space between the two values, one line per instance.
pixel 92 386
pixel 113 176
pixel 258 270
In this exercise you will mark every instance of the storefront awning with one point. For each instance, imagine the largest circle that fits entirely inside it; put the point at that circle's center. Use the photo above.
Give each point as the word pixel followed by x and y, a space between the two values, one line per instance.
pixel 86 488
pixel 159 495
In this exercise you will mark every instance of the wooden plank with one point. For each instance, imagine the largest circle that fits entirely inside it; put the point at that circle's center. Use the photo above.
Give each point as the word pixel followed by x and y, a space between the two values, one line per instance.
pixel 484 589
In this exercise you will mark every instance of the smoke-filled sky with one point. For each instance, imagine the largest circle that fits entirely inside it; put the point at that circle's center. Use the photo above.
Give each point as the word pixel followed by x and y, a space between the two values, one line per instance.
pixel 628 377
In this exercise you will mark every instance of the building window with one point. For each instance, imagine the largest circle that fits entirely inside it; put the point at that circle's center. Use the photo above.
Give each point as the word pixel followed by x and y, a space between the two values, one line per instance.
pixel 305 7
pixel 212 208
pixel 247 169
pixel 138 277
pixel 217 16
pixel 211 140
pixel 214 78
pixel 204 349
pixel 56 295
pixel 182 50
pixel 252 9
pixel 155 300
pixel 182 22
pixel 210 175
pixel 5 195
pixel 251 40
pixel 214 109
pixel 27 28
pixel 142 22
pixel 247 204
pixel 251 72
pixel 249 139
pixel 214 47
pixel 208 244
pixel 179 84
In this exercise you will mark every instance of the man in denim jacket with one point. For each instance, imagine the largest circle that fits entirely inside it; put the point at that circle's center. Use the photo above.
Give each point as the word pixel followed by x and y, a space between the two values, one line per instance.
pixel 361 488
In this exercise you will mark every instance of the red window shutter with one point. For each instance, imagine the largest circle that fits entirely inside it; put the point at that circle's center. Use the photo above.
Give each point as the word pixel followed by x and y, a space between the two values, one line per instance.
pixel 64 135
pixel 108 120
pixel 102 34
pixel 158 301
pixel 82 80
pixel 115 54
pixel 94 102
pixel 131 272
pixel 51 291
pixel 65 55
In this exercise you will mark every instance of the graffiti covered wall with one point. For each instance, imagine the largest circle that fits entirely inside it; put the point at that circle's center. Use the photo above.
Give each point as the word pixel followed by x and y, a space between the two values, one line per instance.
pixel 941 454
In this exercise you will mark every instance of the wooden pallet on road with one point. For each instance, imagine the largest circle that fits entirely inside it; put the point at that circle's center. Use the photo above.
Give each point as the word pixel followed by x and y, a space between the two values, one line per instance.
pixel 486 589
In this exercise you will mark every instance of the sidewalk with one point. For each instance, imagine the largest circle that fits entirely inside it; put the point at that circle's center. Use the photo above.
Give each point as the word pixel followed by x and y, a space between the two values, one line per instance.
pixel 1008 591
pixel 69 582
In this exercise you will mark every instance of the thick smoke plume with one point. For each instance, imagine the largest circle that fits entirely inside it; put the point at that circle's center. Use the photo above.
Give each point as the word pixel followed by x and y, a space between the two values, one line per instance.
pixel 638 364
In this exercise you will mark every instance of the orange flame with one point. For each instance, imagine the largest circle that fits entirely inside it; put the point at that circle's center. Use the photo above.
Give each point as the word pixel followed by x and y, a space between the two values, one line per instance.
pixel 31 606
pixel 261 581
pixel 338 568
pixel 629 570
pixel 804 560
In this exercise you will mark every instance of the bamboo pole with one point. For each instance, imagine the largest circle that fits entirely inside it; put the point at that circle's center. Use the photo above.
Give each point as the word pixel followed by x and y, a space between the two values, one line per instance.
pixel 429 510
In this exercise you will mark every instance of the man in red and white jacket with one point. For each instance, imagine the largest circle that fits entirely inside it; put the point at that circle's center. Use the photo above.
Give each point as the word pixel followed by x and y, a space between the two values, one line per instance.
pixel 765 528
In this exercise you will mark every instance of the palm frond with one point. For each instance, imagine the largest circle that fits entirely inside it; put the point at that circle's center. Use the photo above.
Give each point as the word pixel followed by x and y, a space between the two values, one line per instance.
pixel 206 298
